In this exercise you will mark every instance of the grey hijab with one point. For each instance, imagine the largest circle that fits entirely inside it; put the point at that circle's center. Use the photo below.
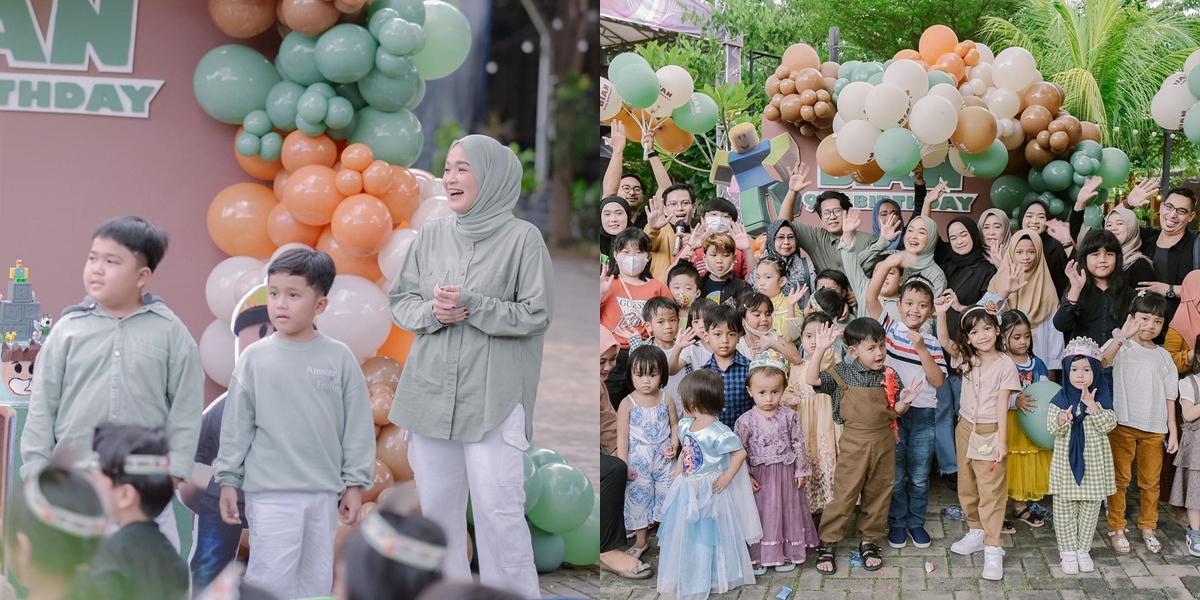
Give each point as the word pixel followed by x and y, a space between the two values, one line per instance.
pixel 498 172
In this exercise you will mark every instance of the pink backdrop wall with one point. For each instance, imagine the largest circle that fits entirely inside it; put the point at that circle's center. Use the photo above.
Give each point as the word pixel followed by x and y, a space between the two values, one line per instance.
pixel 61 175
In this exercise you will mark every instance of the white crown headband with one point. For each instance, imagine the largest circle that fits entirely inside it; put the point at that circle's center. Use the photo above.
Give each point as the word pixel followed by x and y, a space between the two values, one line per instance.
pixel 66 521
pixel 1083 346
pixel 401 548
pixel 769 358
pixel 139 464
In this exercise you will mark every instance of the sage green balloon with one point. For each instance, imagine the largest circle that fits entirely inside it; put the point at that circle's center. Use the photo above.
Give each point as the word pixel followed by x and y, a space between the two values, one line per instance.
pixel 1089 148
pixel 533 482
pixel 308 127
pixel 876 79
pixel 1008 191
pixel 1058 175
pixel 583 542
pixel 339 113
pixel 1114 167
pixel 623 60
pixel 388 93
pixel 897 151
pixel 566 501
pixel 272 145
pixel 418 39
pixel 866 70
pixel 1191 124
pixel 281 104
pixel 297 59
pixel 699 115
pixel 398 37
pixel 1093 216
pixel 323 89
pixel 344 132
pixel 248 144
pixel 392 64
pixel 395 137
pixel 1036 183
pixel 350 92
pixel 447 40
pixel 548 549
pixel 381 16
pixel 257 122
pixel 1081 163
pixel 1057 206
pixel 989 163
pixel 312 107
pixel 232 81
pixel 346 53
pixel 413 11
pixel 638 85
pixel 1078 178
pixel 416 101
pixel 936 77
pixel 1071 195
pixel 1193 81
pixel 847 69
pixel 545 456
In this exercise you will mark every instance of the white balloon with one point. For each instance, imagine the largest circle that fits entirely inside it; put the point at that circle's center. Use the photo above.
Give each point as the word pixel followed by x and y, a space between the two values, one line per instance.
pixel 1193 59
pixel 956 161
pixel 947 91
pixel 856 142
pixel 279 252
pixel 1014 69
pixel 887 106
pixel 933 119
pixel 675 86
pixel 1170 106
pixel 1015 137
pixel 358 315
pixel 852 101
pixel 431 188
pixel 248 281
pixel 610 100
pixel 393 252
pixel 1004 103
pixel 983 72
pixel 1176 78
pixel 933 155
pixel 436 208
pixel 908 76
pixel 838 122
pixel 978 86
pixel 218 348
pixel 965 89
pixel 219 290
pixel 985 54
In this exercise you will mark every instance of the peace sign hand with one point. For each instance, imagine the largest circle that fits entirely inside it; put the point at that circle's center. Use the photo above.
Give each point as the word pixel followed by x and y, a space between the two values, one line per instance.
pixel 1088 398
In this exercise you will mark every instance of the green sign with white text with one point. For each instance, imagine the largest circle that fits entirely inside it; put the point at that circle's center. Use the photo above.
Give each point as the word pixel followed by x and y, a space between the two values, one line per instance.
pixel 865 196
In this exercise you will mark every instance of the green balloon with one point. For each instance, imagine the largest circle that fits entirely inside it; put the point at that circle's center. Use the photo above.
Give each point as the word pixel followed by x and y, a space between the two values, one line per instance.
pixel 339 113
pixel 1191 124
pixel 418 39
pixel 1072 193
pixel 1057 207
pixel 1016 212
pixel 388 93
pixel 876 79
pixel 309 128
pixel 345 53
pixel 1008 191
pixel 1089 149
pixel 1078 178
pixel 379 17
pixel 257 122
pixel 638 85
pixel 1081 163
pixel 350 92
pixel 897 151
pixel 412 104
pixel 447 40
pixel 545 456
pixel 312 107
pixel 699 115
pixel 391 64
pixel 1034 423
pixel 1114 167
pixel 887 63
pixel 297 59
pixel 323 89
pixel 248 144
pixel 936 77
pixel 620 61
pixel 839 85
pixel 865 71
pixel 344 132
pixel 395 137
pixel 533 482
pixel 1058 175
pixel 1036 182
pixel 272 146
pixel 567 498
pixel 398 37
pixel 1101 197
pixel 1093 216
pixel 232 81
pixel 1013 225
pixel 548 549
pixel 847 69
pixel 1193 82
pixel 412 11
pixel 583 542
pixel 989 163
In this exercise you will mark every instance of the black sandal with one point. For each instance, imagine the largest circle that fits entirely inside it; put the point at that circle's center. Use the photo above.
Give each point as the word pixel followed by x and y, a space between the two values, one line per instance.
pixel 825 557
pixel 1029 518
pixel 868 551
pixel 1008 528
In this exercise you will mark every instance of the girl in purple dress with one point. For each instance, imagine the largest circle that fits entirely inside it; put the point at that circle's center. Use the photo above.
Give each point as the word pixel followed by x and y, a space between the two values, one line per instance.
pixel 774 445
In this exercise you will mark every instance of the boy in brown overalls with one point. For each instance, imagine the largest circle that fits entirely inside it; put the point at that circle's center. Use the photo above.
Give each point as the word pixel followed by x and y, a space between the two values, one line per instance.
pixel 867 397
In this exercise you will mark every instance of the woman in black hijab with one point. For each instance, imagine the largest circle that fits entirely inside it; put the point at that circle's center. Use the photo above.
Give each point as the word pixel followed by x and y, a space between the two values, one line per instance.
pixel 614 218
pixel 1034 215
pixel 963 258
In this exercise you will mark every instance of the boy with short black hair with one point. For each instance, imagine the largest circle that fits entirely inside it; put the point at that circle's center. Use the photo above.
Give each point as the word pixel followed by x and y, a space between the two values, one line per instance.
pixel 122 355
pixel 661 315
pixel 720 284
pixel 684 282
pixel 297 434
pixel 723 327
pixel 137 562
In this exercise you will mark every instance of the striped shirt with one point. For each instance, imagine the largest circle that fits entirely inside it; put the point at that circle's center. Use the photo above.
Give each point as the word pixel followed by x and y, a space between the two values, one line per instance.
pixel 903 357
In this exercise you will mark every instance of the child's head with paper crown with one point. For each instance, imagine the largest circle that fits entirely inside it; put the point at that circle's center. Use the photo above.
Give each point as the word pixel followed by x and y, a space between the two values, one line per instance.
pixel 133 469
pixel 390 555
pixel 54 526
pixel 767 380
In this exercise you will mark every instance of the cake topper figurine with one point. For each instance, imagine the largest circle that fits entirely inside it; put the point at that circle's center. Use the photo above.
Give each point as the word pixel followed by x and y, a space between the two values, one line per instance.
pixel 19 273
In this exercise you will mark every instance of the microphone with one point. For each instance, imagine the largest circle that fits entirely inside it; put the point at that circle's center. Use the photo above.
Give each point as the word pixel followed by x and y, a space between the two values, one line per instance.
pixel 679 227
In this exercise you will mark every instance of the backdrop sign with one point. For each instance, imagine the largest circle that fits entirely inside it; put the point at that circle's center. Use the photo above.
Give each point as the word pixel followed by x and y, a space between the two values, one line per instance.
pixel 865 196
pixel 82 34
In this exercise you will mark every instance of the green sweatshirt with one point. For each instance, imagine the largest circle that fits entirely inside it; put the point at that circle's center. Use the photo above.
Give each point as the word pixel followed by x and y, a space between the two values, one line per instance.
pixel 297 419
pixel 141 370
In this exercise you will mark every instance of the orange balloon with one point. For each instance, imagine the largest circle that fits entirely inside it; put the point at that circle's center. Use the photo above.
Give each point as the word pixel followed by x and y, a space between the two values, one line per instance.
pixel 349 182
pixel 255 166
pixel 311 194
pixel 799 57
pixel 381 405
pixel 936 41
pixel 633 131
pixel 866 174
pixel 951 64
pixel 377 178
pixel 361 225
pixel 380 480
pixel 403 198
pixel 309 17
pixel 391 450
pixel 397 345
pixel 381 370
pixel 829 160
pixel 976 130
pixel 242 18
pixel 346 263
pixel 381 388
pixel 961 49
pixel 299 150
pixel 907 53
pixel 972 57
pixel 357 157
pixel 237 220
pixel 285 229
pixel 280 182
pixel 672 139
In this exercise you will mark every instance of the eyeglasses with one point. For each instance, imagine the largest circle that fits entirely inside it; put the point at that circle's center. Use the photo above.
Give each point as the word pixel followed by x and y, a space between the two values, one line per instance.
pixel 1182 212
pixel 630 189
pixel 785 238
pixel 831 212
pixel 678 204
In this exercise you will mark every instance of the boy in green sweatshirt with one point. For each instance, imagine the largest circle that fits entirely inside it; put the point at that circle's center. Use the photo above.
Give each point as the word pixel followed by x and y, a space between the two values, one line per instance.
pixel 297 433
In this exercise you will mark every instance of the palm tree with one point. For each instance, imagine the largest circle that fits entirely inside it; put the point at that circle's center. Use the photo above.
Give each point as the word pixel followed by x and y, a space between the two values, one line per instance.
pixel 1110 56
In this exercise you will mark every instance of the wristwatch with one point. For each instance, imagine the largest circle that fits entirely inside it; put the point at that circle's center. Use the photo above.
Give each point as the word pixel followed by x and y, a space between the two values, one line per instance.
pixel 1170 291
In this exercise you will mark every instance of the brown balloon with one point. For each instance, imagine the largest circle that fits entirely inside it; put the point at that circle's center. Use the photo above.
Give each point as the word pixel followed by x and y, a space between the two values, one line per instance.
pixel 830 83
pixel 1090 131
pixel 824 96
pixel 1059 140
pixel 382 370
pixel 1061 92
pixel 1043 138
pixel 1074 129
pixel 381 405
pixel 974 101
pixel 777 99
pixel 790 108
pixel 793 75
pixel 771 113
pixel 1035 119
pixel 799 57
pixel 808 97
pixel 380 388
pixel 829 69
pixel 824 122
pixel 824 133
pixel 380 480
pixel 971 58
pixel 391 449
pixel 1056 126
pixel 309 17
pixel 807 113
pixel 829 160
pixel 772 85
pixel 809 79
pixel 866 174
pixel 976 130
pixel 782 72
pixel 1037 156
pixel 787 86
pixel 1044 94
pixel 961 49
pixel 1017 165
pixel 242 18
pixel 807 129
pixel 822 109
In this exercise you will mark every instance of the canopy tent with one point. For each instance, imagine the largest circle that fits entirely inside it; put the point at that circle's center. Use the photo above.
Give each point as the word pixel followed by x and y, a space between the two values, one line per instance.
pixel 626 23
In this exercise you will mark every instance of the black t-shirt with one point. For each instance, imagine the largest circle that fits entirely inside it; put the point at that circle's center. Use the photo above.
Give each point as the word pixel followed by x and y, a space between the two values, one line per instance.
pixel 138 563
pixel 206 454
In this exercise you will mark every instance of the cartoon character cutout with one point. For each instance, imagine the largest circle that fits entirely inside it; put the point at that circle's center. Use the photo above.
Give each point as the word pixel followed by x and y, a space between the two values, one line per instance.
pixel 251 322
pixel 691 456
pixel 41 328
pixel 18 367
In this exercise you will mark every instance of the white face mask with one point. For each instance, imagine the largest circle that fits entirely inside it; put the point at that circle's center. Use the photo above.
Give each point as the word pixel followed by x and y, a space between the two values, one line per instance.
pixel 754 331
pixel 631 265
pixel 717 223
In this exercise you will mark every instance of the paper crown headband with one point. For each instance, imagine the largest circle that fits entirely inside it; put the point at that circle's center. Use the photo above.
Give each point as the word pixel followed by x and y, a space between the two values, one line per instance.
pixel 1083 346
pixel 769 358
pixel 401 548
pixel 66 521
pixel 139 464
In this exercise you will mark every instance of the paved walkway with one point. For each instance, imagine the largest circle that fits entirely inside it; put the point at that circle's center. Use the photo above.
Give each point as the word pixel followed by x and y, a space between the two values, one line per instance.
pixel 1031 570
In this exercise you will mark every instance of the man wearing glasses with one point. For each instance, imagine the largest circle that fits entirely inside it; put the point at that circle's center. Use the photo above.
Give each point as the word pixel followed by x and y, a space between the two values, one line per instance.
pixel 1173 248
pixel 821 243
pixel 669 216
pixel 626 185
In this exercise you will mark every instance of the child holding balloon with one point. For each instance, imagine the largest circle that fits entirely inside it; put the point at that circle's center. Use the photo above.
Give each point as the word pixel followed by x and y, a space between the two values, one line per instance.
pixel 1081 473
pixel 1028 463
pixel 1185 490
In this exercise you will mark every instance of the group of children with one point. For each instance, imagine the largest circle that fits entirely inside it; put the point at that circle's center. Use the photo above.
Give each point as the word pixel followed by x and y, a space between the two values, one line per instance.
pixel 826 411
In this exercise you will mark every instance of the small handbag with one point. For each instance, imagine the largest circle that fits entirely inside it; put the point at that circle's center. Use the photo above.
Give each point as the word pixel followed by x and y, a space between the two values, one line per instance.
pixel 980 447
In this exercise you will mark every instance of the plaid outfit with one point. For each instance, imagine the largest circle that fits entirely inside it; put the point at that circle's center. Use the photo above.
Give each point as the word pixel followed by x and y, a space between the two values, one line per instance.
pixel 1077 507
pixel 855 375
pixel 737 398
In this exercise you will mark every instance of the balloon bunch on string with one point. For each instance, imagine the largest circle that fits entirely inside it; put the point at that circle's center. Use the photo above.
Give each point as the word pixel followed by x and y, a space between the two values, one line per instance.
pixel 1177 104
pixel 664 102
pixel 801 92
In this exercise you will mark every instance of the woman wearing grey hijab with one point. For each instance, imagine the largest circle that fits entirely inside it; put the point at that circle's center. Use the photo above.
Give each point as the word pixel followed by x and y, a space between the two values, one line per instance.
pixel 477 290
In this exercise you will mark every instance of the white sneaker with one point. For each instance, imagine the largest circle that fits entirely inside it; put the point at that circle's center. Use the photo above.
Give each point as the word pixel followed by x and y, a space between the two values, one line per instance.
pixel 969 544
pixel 1070 562
pixel 993 563
pixel 1085 561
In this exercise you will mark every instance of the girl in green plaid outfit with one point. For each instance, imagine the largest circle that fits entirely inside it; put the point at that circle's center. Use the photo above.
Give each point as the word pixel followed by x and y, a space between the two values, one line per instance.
pixel 1081 472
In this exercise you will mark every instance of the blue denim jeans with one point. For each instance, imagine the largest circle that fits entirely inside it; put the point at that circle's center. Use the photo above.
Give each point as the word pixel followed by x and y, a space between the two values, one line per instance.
pixel 216 546
pixel 948 398
pixel 914 457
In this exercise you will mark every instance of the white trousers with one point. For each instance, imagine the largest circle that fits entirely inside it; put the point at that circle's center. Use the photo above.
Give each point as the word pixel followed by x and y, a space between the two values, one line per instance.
pixel 168 525
pixel 291 542
pixel 493 471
